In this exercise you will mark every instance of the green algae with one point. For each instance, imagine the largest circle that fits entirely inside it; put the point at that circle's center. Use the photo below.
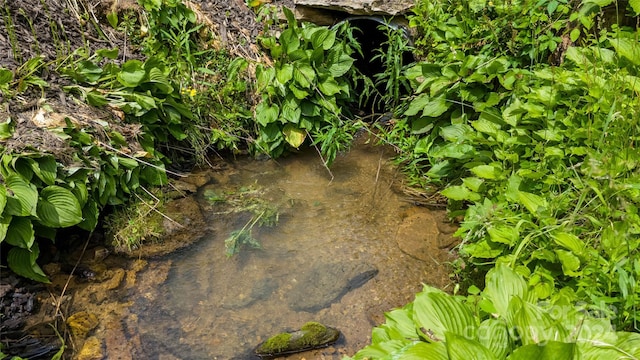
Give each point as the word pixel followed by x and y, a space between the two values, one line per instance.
pixel 311 335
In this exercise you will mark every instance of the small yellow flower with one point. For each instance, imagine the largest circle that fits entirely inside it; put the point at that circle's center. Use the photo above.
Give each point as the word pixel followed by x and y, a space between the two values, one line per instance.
pixel 192 92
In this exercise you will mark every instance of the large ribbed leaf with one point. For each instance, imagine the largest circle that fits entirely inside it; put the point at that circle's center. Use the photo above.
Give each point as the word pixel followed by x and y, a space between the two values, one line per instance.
pixel 494 335
pixel 20 232
pixel 551 350
pixel 5 220
pixel 437 313
pixel 58 207
pixel 462 348
pixel 22 198
pixel 610 345
pixel 45 168
pixel 382 350
pixel 3 197
pixel 23 263
pixel 422 351
pixel 535 325
pixel 400 325
pixel 90 214
pixel 502 284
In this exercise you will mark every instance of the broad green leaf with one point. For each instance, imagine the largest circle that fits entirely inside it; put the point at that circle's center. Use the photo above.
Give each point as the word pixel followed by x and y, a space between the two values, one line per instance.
pixel 607 344
pixel 3 198
pixel 132 73
pixel 453 151
pixel 459 193
pixel 575 33
pixel 417 104
pixel 293 135
pixel 24 199
pixel 20 232
pixel 290 111
pixel 635 6
pixel 482 249
pixel 6 76
pixel 340 64
pixel 45 168
pixel 290 41
pixel 436 107
pixel 508 235
pixel 266 114
pixel 570 262
pixel 58 207
pixel 400 325
pixel 6 129
pixel 23 263
pixel 423 351
pixel 457 132
pixel 473 183
pixel 382 350
pixel 160 81
pixel 463 348
pixel 487 172
pixel 285 73
pixel 627 48
pixel 569 242
pixel 5 221
pixel 96 98
pixel 533 324
pixel 440 313
pixel 304 75
pixel 291 18
pixel 88 72
pixel 486 126
pixel 329 87
pixel 112 18
pixel 494 335
pixel 551 350
pixel 502 285
pixel 532 202
pixel 323 38
pixel 108 53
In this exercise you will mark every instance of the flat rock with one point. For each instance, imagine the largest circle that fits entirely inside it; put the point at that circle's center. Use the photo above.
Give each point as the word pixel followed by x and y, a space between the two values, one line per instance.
pixel 418 235
pixel 360 7
pixel 323 284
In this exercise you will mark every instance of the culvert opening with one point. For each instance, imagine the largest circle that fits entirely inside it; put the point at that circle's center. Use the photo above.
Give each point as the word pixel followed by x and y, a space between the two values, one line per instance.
pixel 374 35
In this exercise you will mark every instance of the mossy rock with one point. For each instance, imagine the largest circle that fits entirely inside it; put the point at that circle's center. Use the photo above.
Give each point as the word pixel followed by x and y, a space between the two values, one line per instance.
pixel 311 335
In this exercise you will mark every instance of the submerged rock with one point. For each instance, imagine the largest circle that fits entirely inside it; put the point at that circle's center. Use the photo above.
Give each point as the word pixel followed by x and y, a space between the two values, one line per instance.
pixel 311 336
pixel 323 284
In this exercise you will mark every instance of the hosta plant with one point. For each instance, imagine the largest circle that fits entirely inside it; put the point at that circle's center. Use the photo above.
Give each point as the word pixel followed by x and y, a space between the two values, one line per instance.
pixel 504 321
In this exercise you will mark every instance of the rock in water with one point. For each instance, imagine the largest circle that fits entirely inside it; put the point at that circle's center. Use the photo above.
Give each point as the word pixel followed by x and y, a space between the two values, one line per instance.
pixel 323 284
pixel 311 336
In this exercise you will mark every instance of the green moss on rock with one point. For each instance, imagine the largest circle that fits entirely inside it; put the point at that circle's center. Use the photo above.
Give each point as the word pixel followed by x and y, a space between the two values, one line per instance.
pixel 312 335
pixel 275 344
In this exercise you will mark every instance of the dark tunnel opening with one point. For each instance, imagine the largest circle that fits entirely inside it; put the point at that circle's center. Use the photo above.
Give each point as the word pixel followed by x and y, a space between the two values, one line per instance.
pixel 372 33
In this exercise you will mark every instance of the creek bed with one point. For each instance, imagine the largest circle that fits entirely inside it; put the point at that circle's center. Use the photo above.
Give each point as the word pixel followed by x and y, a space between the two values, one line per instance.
pixel 338 255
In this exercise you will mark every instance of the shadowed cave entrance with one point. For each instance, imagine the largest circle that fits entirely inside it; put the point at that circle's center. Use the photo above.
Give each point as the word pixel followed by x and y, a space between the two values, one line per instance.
pixel 373 35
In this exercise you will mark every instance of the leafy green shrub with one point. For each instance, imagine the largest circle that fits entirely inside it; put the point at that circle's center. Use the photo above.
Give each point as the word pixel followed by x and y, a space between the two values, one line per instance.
pixel 542 161
pixel 306 91
pixel 504 321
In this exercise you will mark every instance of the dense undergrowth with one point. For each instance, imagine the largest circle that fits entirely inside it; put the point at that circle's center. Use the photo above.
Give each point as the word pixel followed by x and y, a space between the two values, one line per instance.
pixel 524 115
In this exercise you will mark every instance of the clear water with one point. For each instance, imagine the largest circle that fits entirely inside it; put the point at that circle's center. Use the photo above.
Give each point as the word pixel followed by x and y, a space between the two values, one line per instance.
pixel 214 307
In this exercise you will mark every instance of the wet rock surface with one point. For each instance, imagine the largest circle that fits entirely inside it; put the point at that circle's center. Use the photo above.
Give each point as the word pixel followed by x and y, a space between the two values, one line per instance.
pixel 360 7
pixel 323 284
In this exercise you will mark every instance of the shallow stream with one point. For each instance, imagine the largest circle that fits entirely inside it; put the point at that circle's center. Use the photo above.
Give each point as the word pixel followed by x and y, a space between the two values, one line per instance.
pixel 347 246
